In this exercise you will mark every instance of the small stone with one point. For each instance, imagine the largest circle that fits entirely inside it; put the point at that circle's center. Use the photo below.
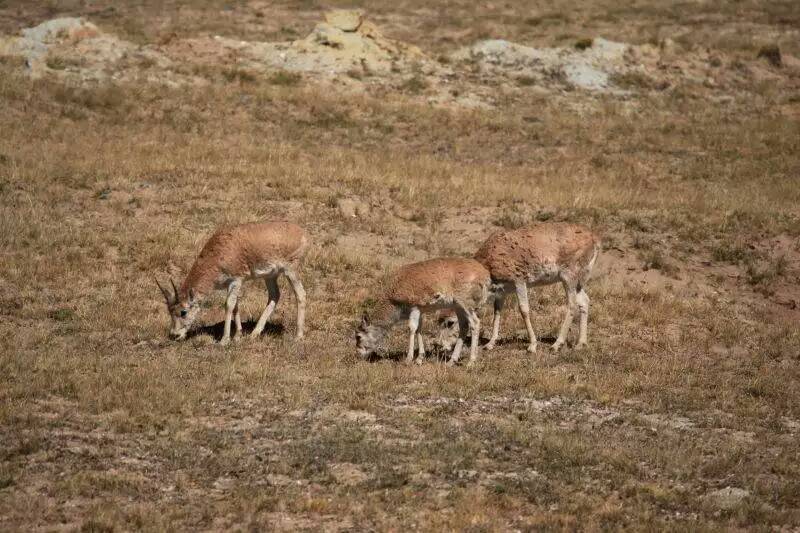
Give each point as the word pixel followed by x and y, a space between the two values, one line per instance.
pixel 345 19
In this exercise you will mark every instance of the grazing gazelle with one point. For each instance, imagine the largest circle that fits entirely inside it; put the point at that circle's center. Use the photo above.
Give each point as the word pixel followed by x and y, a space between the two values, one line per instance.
pixel 231 256
pixel 455 283
pixel 541 255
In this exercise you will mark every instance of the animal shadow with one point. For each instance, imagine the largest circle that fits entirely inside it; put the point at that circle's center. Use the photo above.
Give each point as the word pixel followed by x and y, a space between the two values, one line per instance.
pixel 216 330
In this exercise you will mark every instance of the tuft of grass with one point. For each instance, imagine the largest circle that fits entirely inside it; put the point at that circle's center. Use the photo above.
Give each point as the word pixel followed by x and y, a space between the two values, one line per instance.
pixel 766 273
pixel 414 85
pixel 59 62
pixel 584 43
pixel 635 80
pixel 62 315
pixel 731 252
pixel 772 53
pixel 285 78
pixel 510 219
pixel 239 75
pixel 656 259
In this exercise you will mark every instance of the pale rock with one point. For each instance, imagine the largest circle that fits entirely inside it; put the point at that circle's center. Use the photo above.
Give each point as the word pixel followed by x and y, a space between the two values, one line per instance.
pixel 347 20
pixel 727 499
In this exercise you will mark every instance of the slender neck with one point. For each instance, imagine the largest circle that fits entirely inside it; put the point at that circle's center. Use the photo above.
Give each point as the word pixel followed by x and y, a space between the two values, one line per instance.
pixel 200 280
pixel 386 315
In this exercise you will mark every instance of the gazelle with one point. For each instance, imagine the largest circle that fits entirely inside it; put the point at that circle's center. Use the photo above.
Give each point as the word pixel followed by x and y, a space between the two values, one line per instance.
pixel 541 255
pixel 455 283
pixel 231 256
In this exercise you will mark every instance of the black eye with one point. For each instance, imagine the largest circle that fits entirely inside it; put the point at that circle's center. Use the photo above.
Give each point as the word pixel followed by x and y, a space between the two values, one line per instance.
pixel 183 313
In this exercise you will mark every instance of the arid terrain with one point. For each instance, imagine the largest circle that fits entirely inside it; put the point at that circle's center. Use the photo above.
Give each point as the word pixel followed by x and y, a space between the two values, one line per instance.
pixel 129 130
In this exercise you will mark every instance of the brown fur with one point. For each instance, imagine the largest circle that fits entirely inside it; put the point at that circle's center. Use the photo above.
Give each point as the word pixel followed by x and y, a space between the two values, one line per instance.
pixel 456 283
pixel 231 256
pixel 235 251
pixel 527 252
pixel 423 284
pixel 541 255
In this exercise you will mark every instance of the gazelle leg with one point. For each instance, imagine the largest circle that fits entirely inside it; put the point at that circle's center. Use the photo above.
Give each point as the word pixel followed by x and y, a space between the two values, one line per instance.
pixel 274 295
pixel 463 327
pixel 300 296
pixel 499 302
pixel 413 325
pixel 230 304
pixel 237 320
pixel 475 332
pixel 583 307
pixel 420 344
pixel 569 288
pixel 525 310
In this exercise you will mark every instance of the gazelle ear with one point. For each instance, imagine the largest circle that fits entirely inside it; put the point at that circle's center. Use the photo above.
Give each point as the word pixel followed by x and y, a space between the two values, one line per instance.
pixel 364 320
pixel 167 296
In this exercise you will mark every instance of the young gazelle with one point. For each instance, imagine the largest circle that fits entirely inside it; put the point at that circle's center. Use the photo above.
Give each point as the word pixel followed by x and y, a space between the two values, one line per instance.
pixel 231 256
pixel 541 255
pixel 455 283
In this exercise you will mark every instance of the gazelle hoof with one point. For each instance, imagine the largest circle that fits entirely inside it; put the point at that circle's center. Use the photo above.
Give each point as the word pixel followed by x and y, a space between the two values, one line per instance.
pixel 532 348
pixel 557 346
pixel 225 341
pixel 489 346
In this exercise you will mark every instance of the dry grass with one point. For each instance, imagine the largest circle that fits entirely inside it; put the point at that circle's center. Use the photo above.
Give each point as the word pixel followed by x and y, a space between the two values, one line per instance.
pixel 689 384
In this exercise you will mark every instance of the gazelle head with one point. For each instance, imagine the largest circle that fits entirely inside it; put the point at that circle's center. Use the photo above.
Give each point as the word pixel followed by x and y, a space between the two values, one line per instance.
pixel 368 338
pixel 448 331
pixel 182 312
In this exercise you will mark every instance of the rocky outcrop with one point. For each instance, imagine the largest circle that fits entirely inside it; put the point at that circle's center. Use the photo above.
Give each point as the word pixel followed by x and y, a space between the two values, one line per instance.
pixel 75 47
pixel 588 67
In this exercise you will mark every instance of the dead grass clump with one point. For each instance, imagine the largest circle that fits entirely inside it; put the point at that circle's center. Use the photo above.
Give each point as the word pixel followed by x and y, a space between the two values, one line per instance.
pixel 511 219
pixel 635 80
pixel 59 62
pixel 762 274
pixel 285 78
pixel 239 75
pixel 731 252
pixel 772 53
pixel 414 85
pixel 101 98
pixel 656 259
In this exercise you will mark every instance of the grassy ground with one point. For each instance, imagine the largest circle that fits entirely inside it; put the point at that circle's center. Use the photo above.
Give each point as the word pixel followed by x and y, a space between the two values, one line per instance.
pixel 689 385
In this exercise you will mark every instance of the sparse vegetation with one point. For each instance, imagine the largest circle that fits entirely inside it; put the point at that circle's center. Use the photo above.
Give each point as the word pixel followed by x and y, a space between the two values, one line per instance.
pixel 688 385
pixel 414 85
pixel 286 79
